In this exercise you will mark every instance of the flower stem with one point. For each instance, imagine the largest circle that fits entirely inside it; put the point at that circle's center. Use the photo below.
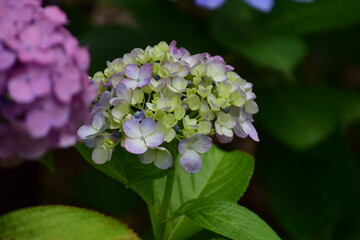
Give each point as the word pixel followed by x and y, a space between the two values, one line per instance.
pixel 166 202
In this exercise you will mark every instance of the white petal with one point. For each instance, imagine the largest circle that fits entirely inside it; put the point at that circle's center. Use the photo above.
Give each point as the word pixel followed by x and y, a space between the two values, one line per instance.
pixel 98 121
pixel 154 139
pixel 135 145
pixel 148 157
pixel 249 129
pixel 101 155
pixel 163 158
pixel 200 143
pixel 86 132
pixel 191 161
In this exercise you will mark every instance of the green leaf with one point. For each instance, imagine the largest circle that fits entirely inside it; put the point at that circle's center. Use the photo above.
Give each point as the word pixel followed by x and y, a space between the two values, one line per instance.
pixel 124 166
pixel 320 15
pixel 48 162
pixel 224 175
pixel 61 223
pixel 228 219
pixel 303 117
pixel 280 52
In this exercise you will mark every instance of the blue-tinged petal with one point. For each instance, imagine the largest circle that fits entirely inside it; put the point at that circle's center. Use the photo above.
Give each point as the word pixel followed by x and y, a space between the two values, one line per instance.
pixel 101 155
pixel 261 5
pixel 86 132
pixel 209 4
pixel 239 131
pixel 147 126
pixel 98 121
pixel 200 143
pixel 183 145
pixel 132 129
pixel 223 138
pixel 154 139
pixel 250 130
pixel 135 145
pixel 191 161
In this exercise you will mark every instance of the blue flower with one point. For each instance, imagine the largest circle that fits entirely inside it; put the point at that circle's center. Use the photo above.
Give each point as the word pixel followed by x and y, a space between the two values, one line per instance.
pixel 261 5
pixel 209 4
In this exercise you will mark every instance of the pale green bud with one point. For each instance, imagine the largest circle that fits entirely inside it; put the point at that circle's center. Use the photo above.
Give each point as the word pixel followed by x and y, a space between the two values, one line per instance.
pixel 193 102
pixel 179 113
pixel 205 112
pixel 138 96
pixel 204 128
pixel 237 98
pixel 204 91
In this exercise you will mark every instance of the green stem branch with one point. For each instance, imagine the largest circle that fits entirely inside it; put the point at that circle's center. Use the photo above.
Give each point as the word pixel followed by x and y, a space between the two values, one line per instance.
pixel 165 203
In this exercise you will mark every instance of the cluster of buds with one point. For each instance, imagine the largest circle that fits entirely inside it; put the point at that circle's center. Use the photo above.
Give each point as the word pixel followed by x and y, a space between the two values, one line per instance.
pixel 44 88
pixel 149 98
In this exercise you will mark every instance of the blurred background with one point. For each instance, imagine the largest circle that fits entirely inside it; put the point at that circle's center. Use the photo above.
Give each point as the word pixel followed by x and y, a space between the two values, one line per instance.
pixel 304 62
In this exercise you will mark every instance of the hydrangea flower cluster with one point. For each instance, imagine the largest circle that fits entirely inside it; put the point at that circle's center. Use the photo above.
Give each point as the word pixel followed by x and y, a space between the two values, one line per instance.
pixel 152 97
pixel 44 88
pixel 261 5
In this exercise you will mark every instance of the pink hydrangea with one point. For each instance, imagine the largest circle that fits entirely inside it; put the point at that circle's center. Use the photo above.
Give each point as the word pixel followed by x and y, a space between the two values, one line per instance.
pixel 44 88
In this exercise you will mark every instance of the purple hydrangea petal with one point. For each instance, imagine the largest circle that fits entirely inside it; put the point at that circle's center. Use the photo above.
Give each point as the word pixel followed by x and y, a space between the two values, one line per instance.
pixel 19 90
pixel 191 161
pixel 39 123
pixel 223 138
pixel 47 90
pixel 135 145
pixel 147 126
pixel 132 71
pixel 154 139
pixel 101 155
pixel 145 71
pixel 66 85
pixel 261 5
pixel 130 83
pixel 7 58
pixel 144 82
pixel 132 129
pixel 210 4
pixel 55 15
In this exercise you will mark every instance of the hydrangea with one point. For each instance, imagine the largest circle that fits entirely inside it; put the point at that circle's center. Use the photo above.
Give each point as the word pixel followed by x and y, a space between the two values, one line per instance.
pixel 44 87
pixel 151 99
pixel 261 5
